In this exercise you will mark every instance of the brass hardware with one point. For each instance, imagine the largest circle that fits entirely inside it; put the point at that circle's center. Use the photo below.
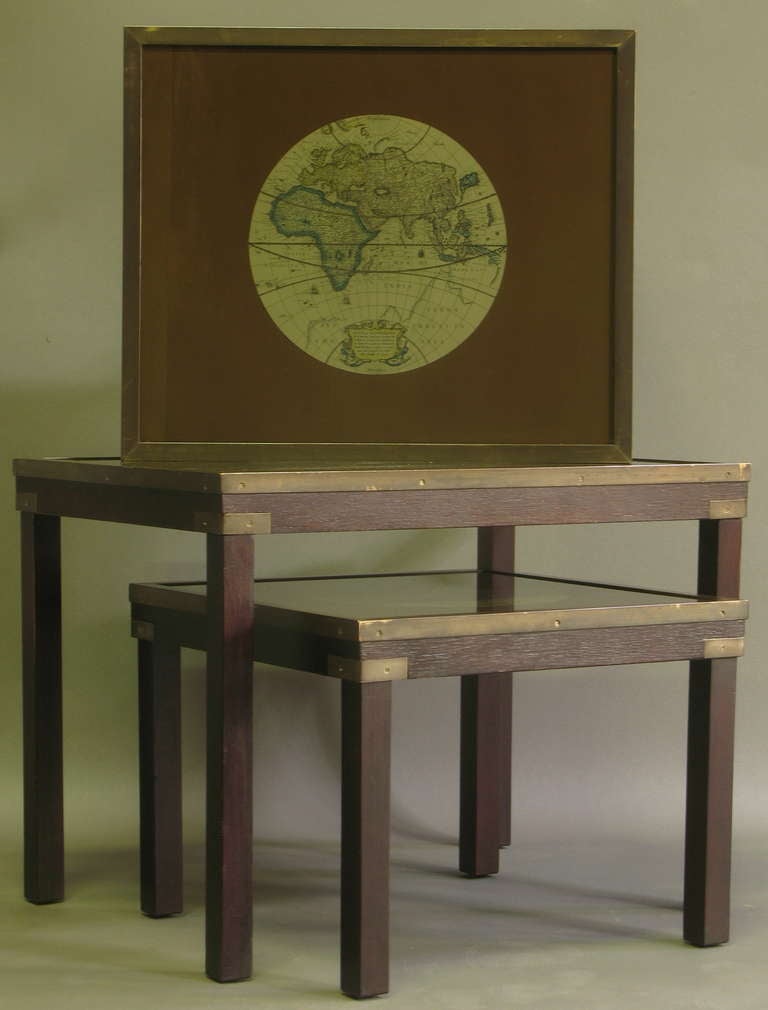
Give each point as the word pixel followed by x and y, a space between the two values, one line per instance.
pixel 320 457
pixel 367 37
pixel 217 477
pixel 143 630
pixel 723 648
pixel 526 622
pixel 26 502
pixel 368 671
pixel 731 508
pixel 234 522
pixel 139 182
pixel 191 597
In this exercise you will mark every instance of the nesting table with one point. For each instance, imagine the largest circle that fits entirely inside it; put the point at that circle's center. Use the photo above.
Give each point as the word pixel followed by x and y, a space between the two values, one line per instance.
pixel 480 625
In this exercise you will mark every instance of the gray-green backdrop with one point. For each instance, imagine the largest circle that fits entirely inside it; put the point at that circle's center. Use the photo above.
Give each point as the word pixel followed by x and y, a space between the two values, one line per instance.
pixel 596 753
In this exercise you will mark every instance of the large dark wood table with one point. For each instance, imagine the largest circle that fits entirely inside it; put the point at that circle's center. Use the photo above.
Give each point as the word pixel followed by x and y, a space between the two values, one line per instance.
pixel 231 507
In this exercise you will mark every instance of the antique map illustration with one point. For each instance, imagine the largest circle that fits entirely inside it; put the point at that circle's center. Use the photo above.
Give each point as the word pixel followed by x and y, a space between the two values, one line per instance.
pixel 377 244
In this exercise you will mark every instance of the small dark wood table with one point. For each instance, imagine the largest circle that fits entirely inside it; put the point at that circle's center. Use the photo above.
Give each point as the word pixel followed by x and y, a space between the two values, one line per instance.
pixel 231 507
pixel 368 631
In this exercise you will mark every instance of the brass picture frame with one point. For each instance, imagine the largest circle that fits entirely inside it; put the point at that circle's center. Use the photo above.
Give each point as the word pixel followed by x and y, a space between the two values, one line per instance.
pixel 527 323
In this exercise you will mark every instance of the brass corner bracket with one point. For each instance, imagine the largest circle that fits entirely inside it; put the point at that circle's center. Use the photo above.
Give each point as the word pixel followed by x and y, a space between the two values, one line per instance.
pixel 26 501
pixel 233 522
pixel 723 648
pixel 728 508
pixel 143 630
pixel 367 671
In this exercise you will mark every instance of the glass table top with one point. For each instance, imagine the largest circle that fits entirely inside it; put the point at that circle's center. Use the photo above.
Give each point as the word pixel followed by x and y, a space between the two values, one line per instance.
pixel 442 604
pixel 444 593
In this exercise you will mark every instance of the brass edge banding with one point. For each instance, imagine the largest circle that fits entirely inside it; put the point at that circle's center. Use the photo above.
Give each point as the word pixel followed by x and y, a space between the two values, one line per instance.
pixel 368 671
pixel 143 630
pixel 263 478
pixel 453 626
pixel 475 477
pixel 723 648
pixel 26 502
pixel 731 508
pixel 481 38
pixel 233 523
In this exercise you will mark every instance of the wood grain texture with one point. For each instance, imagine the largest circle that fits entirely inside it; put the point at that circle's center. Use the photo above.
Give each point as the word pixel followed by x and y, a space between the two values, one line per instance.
pixel 719 557
pixel 138 506
pixel 496 553
pixel 365 804
pixel 210 475
pixel 711 712
pixel 428 509
pixel 229 912
pixel 555 650
pixel 506 701
pixel 496 549
pixel 131 241
pixel 623 223
pixel 160 777
pixel 711 727
pixel 41 648
pixel 355 510
pixel 441 657
pixel 479 821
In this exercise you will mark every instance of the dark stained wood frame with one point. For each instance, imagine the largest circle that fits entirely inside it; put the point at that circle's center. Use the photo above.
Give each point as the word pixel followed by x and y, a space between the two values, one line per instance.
pixel 308 512
pixel 41 647
pixel 160 777
pixel 715 495
pixel 711 722
pixel 340 453
pixel 486 739
pixel 366 714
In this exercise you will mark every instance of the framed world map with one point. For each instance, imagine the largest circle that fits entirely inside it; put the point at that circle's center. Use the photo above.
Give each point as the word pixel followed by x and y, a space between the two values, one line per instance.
pixel 357 248
pixel 377 244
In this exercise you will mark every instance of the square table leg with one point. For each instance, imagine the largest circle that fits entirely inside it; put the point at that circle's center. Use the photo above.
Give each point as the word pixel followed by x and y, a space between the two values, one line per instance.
pixel 711 711
pixel 41 644
pixel 229 873
pixel 481 723
pixel 496 554
pixel 365 803
pixel 160 776
pixel 712 703
pixel 505 758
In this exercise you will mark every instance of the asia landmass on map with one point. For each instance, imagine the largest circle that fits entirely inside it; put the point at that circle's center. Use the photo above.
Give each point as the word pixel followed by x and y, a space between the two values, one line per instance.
pixel 370 190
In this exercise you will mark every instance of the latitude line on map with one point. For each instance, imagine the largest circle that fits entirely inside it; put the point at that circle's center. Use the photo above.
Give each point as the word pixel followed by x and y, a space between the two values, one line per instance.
pixel 371 273
pixel 290 284
pixel 376 245
pixel 443 280
pixel 421 139
pixel 324 210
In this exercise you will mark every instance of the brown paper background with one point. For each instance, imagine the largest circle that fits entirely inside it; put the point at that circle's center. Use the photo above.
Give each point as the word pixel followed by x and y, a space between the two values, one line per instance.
pixel 213 365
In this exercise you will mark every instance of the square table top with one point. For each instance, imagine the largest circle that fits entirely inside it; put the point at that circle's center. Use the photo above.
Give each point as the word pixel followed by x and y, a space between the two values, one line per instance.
pixel 208 477
pixel 447 603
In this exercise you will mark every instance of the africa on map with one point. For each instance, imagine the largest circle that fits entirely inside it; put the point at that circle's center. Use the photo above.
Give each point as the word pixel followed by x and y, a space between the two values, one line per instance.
pixel 377 244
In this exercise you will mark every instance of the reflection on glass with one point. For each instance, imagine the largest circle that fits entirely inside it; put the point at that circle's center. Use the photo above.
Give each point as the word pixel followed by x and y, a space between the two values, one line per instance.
pixel 394 596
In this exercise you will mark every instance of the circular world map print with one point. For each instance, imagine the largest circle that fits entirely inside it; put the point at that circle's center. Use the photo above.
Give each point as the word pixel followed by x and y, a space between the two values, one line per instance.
pixel 377 244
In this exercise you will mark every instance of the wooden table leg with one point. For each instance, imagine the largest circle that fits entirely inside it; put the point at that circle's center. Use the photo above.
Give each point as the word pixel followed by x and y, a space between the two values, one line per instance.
pixel 506 687
pixel 712 699
pixel 43 777
pixel 481 717
pixel 496 553
pixel 160 777
pixel 229 909
pixel 365 803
